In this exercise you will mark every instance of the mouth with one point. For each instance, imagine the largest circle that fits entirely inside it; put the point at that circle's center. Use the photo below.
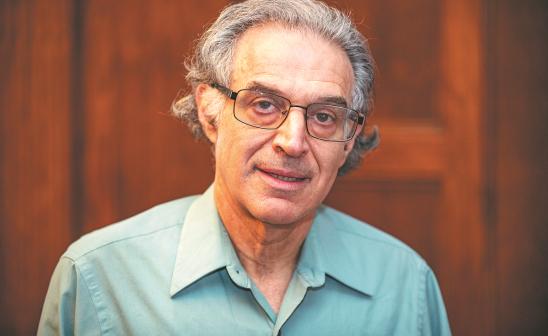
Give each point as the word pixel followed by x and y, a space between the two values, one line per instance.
pixel 285 176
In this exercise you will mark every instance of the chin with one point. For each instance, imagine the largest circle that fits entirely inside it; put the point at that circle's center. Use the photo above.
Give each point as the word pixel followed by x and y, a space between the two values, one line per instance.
pixel 278 221
pixel 279 213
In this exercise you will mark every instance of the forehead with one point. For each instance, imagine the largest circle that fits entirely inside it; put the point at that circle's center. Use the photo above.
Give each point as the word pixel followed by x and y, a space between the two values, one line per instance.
pixel 298 63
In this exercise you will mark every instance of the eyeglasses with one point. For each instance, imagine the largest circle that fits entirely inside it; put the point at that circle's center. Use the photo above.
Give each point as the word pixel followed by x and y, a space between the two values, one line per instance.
pixel 265 110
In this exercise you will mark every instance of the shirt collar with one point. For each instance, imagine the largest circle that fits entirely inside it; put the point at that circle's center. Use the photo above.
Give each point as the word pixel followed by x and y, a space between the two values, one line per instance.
pixel 204 246
pixel 325 253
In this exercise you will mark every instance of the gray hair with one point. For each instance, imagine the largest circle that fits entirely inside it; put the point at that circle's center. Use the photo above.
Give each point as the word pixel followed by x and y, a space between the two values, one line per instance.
pixel 213 56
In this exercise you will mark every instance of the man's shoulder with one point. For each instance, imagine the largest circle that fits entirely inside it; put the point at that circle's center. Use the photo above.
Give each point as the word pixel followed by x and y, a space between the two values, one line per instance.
pixel 168 216
pixel 362 239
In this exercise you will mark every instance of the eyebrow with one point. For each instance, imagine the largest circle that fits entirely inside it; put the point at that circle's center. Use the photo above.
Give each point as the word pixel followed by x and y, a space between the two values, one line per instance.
pixel 334 100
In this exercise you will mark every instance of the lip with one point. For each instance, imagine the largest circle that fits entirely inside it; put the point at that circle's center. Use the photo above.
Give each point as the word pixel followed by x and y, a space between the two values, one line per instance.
pixel 283 179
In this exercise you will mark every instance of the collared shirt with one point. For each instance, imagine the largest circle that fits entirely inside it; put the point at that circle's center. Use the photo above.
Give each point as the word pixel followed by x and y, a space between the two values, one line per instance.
pixel 173 270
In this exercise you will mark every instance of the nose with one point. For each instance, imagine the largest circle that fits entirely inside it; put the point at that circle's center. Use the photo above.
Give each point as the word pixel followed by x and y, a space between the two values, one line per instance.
pixel 291 136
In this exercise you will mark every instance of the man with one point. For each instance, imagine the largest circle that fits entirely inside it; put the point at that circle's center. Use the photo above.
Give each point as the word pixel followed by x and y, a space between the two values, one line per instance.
pixel 281 90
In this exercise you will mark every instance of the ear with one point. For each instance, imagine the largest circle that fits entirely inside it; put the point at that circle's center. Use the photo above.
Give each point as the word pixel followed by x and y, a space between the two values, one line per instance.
pixel 347 149
pixel 348 146
pixel 207 114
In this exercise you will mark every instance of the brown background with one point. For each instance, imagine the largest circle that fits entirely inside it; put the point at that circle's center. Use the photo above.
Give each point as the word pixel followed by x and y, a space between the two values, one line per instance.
pixel 86 140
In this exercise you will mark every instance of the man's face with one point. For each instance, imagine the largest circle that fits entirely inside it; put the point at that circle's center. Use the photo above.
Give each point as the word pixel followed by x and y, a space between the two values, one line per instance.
pixel 281 176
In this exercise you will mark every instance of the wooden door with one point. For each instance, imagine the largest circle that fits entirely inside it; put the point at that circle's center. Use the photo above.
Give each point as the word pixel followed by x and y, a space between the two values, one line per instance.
pixel 424 184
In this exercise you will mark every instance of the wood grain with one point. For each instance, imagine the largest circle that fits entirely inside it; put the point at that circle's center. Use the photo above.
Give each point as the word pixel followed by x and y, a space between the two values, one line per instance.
pixel 35 152
pixel 136 155
pixel 520 108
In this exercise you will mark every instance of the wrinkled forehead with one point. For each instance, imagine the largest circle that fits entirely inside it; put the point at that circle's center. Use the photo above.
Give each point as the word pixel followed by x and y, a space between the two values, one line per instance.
pixel 293 59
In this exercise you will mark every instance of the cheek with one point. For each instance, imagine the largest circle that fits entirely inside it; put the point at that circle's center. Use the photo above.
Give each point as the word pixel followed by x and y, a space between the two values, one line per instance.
pixel 341 156
pixel 332 160
pixel 228 136
pixel 236 147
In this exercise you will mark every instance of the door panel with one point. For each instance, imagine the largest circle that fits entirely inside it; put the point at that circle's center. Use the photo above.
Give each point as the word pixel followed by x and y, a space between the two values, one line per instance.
pixel 424 183
pixel 35 154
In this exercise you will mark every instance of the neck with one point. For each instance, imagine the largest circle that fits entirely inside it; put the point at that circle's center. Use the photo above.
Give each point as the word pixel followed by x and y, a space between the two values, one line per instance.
pixel 263 247
pixel 268 252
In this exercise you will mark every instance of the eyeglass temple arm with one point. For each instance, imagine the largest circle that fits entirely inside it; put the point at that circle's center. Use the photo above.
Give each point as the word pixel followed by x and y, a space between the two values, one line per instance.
pixel 226 91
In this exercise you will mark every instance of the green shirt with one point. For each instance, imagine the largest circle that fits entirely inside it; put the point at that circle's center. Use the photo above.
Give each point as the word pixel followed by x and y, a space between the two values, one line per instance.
pixel 172 270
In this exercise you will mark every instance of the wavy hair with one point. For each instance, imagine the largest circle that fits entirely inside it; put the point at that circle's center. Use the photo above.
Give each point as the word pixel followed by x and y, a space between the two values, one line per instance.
pixel 213 56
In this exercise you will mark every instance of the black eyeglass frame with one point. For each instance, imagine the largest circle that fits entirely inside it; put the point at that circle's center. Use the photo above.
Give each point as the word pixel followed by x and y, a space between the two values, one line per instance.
pixel 233 94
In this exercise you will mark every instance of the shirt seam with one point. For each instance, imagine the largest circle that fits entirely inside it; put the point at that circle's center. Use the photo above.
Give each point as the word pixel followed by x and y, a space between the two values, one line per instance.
pixel 91 295
pixel 344 228
pixel 400 247
pixel 422 300
pixel 84 254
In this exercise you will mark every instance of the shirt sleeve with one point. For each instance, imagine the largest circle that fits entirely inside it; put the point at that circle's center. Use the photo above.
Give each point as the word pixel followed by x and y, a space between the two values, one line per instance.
pixel 434 317
pixel 68 308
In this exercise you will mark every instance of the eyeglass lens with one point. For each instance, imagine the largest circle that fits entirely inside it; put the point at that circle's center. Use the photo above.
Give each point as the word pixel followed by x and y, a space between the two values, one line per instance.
pixel 269 111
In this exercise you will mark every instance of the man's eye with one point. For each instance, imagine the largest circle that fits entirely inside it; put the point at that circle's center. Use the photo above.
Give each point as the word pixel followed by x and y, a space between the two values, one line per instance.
pixel 324 118
pixel 264 106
